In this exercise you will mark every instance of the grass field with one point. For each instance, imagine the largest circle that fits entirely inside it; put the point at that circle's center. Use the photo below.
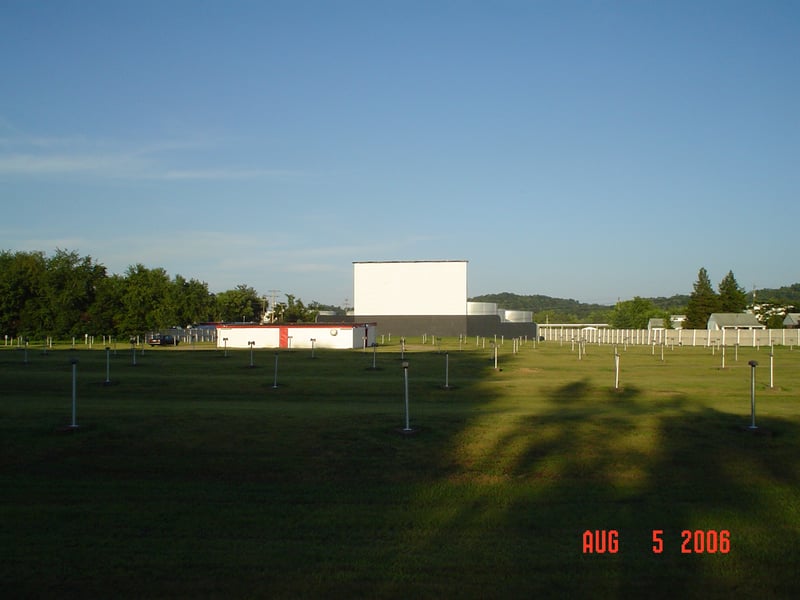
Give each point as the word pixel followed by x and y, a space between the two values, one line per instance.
pixel 192 476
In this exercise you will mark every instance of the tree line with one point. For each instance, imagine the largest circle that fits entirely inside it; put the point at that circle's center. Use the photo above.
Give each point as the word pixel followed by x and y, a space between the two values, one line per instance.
pixel 65 295
pixel 548 309
pixel 637 312
pixel 701 303
pixel 729 297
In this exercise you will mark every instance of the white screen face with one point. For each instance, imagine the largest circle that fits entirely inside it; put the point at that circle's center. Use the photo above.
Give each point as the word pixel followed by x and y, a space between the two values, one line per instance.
pixel 410 288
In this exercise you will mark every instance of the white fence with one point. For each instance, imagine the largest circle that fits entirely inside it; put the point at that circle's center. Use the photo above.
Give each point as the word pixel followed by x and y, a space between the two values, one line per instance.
pixel 677 337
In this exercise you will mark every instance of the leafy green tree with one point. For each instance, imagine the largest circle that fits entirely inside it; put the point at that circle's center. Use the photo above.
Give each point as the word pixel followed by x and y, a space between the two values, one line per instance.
pixel 600 316
pixel 702 302
pixel 145 301
pixel 296 312
pixel 47 296
pixel 553 316
pixel 239 304
pixel 69 290
pixel 106 315
pixel 634 314
pixel 775 321
pixel 732 297
pixel 21 302
pixel 190 301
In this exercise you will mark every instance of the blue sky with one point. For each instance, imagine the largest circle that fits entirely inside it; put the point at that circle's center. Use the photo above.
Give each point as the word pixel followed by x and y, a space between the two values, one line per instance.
pixel 589 150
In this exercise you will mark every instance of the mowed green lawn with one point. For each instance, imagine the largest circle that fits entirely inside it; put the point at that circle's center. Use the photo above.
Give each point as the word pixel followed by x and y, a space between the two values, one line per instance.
pixel 191 476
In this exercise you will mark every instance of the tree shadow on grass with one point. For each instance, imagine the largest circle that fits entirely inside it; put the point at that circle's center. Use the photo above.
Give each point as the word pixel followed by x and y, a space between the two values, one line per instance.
pixel 224 489
pixel 687 475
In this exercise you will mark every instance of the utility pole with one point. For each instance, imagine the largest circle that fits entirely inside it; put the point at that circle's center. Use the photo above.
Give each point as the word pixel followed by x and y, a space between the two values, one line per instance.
pixel 273 297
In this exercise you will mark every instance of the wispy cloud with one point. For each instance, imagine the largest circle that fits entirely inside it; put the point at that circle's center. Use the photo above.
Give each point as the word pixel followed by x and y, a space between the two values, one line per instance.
pixel 222 174
pixel 108 165
pixel 224 259
pixel 39 156
pixel 44 244
pixel 36 156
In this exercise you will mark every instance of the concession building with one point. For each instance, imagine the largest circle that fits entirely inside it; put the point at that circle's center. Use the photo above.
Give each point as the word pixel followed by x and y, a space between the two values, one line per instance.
pixel 297 335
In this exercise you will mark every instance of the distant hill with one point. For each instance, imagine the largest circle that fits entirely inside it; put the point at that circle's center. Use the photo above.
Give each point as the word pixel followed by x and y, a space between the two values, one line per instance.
pixel 556 309
pixel 788 294
pixel 674 303
pixel 567 310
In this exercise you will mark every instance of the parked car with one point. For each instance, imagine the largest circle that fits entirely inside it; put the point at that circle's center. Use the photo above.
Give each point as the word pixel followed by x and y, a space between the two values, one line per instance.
pixel 163 340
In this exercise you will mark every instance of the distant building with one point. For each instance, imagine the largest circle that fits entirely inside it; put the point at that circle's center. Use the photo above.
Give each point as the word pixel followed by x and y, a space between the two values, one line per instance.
pixel 297 335
pixel 719 321
pixel 792 321
pixel 677 321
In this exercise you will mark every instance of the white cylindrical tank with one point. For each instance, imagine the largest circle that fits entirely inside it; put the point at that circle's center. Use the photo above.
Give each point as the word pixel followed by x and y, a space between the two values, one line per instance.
pixel 518 316
pixel 481 308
